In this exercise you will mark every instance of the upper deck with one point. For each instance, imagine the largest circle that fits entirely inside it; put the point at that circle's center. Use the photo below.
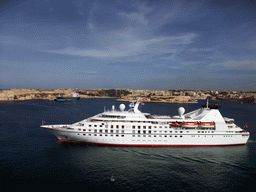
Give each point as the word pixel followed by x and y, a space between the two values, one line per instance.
pixel 133 114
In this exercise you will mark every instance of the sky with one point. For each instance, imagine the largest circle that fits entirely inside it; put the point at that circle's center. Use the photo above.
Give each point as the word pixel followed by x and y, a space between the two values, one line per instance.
pixel 148 45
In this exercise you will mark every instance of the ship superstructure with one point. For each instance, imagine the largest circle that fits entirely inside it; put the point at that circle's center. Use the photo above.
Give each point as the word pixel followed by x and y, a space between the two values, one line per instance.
pixel 202 127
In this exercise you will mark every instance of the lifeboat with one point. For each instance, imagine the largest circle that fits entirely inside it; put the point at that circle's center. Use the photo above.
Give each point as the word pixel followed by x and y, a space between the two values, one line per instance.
pixel 175 124
pixel 190 125
pixel 206 125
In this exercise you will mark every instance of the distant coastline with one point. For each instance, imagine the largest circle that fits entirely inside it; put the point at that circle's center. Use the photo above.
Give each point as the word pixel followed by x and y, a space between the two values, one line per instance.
pixel 167 96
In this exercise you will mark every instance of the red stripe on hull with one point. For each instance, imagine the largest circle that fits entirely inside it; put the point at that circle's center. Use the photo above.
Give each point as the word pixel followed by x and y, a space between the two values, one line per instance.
pixel 149 145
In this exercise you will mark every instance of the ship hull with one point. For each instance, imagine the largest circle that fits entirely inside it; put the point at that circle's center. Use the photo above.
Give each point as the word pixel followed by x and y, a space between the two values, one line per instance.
pixel 181 140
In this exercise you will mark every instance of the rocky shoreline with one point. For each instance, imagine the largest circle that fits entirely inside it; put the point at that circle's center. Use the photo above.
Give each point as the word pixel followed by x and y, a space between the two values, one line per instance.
pixel 168 96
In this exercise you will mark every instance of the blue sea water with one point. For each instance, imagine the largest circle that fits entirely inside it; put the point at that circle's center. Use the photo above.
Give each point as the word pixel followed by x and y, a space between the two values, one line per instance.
pixel 32 159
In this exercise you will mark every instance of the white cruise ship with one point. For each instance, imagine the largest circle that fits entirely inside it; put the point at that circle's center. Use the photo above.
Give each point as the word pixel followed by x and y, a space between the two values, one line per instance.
pixel 202 127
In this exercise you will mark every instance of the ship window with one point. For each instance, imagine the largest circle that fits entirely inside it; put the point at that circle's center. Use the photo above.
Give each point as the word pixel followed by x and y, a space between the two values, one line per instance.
pixel 111 126
pixel 170 135
pixel 198 131
pixel 90 125
pixel 89 134
pixel 149 131
pixel 133 131
pixel 133 126
pixel 160 127
pixel 138 127
pixel 165 127
pixel 154 126
pixel 89 129
pixel 138 131
pixel 133 135
pixel 122 135
pixel 181 136
pixel 144 132
pixel 202 131
pixel 100 134
pixel 84 129
pixel 144 135
pixel 111 131
pixel 180 131
pixel 111 135
pixel 95 125
pixel 122 126
pixel 117 131
pixel 106 131
pixel 106 135
pixel 117 126
pixel 149 127
pixel 175 135
pixel 154 135
pixel 117 135
pixel 122 131
pixel 144 127
pixel 170 131
pixel 138 135
pixel 79 129
pixel 95 130
pixel 149 136
pixel 100 131
pixel 95 134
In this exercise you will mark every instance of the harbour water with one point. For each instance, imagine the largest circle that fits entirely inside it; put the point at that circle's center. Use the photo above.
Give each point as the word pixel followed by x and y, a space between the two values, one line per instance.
pixel 31 158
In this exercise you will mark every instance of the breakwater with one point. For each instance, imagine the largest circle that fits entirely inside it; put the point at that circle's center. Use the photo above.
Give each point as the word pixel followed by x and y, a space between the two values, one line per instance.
pixel 167 96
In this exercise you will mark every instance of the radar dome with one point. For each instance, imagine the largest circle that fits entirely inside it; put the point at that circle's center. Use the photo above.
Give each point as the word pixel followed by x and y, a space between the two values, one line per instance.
pixel 181 110
pixel 122 107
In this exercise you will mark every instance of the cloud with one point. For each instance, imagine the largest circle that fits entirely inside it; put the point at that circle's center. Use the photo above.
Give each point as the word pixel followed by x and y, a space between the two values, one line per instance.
pixel 135 19
pixel 127 44
pixel 7 39
pixel 241 65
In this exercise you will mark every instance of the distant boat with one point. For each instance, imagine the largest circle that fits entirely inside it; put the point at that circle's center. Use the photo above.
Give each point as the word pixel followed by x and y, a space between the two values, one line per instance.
pixel 74 97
